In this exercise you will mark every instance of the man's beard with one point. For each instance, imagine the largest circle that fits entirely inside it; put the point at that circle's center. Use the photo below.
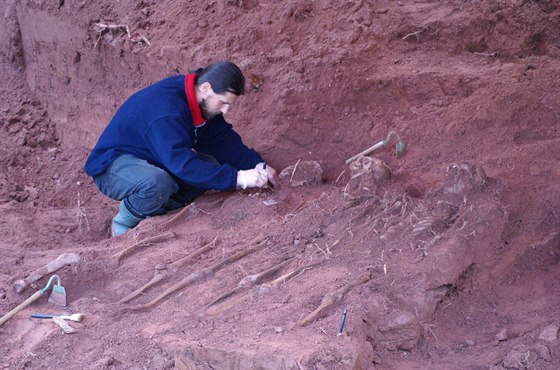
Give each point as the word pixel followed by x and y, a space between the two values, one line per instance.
pixel 204 110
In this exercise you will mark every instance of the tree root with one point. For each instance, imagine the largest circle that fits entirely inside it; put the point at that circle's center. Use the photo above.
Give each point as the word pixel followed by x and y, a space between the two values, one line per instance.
pixel 331 298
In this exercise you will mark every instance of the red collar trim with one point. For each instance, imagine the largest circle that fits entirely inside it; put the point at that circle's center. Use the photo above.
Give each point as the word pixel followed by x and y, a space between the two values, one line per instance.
pixel 191 100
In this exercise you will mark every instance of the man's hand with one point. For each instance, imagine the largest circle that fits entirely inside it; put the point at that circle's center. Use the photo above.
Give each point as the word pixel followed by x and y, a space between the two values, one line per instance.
pixel 255 178
pixel 270 173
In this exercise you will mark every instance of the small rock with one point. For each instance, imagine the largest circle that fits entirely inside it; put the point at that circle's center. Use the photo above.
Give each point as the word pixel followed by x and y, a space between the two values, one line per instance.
pixel 465 344
pixel 303 173
pixel 543 352
pixel 278 330
pixel 550 333
pixel 398 331
pixel 502 335
pixel 517 358
pixel 462 178
pixel 202 23
pixel 13 128
pixel 530 67
pixel 21 140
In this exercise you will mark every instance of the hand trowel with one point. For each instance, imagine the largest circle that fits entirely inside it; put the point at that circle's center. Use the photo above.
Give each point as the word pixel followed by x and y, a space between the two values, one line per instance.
pixel 58 294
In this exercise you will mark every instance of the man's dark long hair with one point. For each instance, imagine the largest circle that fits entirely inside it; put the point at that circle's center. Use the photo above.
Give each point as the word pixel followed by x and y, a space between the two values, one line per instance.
pixel 224 76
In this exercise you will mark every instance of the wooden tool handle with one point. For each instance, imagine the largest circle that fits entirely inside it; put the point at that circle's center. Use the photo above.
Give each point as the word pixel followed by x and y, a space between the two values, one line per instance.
pixel 22 305
pixel 365 152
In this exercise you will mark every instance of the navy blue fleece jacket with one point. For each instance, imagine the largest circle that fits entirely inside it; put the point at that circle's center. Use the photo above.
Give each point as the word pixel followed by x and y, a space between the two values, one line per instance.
pixel 156 124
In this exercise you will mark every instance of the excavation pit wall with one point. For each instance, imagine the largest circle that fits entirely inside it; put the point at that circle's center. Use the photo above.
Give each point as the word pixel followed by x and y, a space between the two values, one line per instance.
pixel 80 84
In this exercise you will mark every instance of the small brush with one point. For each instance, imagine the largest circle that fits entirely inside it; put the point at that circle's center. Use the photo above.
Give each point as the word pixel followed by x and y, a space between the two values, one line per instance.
pixel 66 328
pixel 73 317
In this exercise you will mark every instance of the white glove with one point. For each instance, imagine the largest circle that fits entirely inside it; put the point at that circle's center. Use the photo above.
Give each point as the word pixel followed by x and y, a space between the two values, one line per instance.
pixel 270 173
pixel 255 178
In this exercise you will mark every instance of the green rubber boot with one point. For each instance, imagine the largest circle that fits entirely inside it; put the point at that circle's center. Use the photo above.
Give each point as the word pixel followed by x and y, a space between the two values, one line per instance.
pixel 123 221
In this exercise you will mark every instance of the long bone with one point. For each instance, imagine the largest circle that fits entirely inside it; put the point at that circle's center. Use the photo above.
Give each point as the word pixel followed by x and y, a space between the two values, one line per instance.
pixel 55 265
pixel 249 281
pixel 160 275
pixel 331 298
pixel 259 290
pixel 143 243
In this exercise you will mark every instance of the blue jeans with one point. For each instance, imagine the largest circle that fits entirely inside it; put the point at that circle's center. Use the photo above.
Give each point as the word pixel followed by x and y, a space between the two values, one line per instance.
pixel 145 189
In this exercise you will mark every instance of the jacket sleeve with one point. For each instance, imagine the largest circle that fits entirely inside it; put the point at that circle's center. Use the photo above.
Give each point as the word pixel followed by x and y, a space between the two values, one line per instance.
pixel 172 148
pixel 218 139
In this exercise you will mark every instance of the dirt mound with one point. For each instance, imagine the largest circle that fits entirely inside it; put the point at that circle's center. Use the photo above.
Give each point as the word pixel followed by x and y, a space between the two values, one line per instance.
pixel 446 255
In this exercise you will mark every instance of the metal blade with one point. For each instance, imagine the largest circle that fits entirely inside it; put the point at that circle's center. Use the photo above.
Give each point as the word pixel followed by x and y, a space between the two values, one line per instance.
pixel 58 295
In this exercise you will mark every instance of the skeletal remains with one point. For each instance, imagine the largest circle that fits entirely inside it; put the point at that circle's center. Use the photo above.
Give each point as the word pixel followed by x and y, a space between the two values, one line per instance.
pixel 217 306
pixel 254 282
pixel 193 277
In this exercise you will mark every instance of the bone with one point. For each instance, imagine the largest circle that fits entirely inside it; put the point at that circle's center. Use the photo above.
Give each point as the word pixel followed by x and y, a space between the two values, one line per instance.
pixel 55 265
pixel 158 276
pixel 206 248
pixel 143 243
pixel 331 298
pixel 249 281
pixel 220 306
pixel 162 275
pixel 197 276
